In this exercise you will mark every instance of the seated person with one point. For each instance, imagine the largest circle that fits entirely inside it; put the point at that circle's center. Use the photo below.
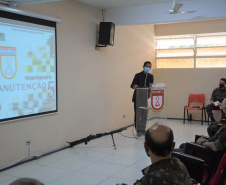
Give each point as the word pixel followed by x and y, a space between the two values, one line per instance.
pixel 165 169
pixel 216 142
pixel 214 127
pixel 218 95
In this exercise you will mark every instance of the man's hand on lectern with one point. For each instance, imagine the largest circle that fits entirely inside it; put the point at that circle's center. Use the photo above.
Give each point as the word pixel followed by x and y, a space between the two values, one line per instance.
pixel 135 86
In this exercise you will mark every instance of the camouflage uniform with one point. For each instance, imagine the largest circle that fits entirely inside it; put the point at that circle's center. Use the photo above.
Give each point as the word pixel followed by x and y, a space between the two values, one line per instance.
pixel 165 172
pixel 217 95
pixel 219 138
pixel 217 134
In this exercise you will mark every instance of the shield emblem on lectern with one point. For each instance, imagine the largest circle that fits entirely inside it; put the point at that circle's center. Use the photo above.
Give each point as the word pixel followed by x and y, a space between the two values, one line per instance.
pixel 157 99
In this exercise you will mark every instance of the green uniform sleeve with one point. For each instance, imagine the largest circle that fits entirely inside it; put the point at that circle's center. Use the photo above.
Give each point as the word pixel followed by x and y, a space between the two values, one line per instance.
pixel 140 182
pixel 220 143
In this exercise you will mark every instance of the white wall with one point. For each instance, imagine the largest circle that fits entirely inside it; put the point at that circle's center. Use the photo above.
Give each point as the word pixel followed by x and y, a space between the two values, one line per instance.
pixel 197 27
pixel 93 86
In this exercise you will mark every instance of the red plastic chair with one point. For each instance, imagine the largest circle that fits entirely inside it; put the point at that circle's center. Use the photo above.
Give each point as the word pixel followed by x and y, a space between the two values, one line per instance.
pixel 196 98
pixel 220 172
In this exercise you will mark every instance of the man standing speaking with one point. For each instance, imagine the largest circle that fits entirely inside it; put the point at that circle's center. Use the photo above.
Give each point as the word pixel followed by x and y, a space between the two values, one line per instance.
pixel 141 80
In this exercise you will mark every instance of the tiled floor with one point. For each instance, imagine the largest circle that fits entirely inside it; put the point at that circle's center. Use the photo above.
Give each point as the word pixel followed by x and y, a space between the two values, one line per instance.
pixel 98 162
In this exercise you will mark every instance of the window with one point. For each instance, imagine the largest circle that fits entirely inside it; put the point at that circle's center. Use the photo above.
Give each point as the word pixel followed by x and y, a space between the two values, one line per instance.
pixel 175 63
pixel 211 41
pixel 175 53
pixel 195 51
pixel 210 62
pixel 175 43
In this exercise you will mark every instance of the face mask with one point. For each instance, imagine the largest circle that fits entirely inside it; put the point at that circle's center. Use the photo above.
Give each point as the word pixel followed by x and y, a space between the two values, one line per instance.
pixel 221 85
pixel 146 69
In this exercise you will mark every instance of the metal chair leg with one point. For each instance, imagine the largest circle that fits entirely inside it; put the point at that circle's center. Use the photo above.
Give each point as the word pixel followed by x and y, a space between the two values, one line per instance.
pixel 202 116
pixel 187 115
pixel 204 113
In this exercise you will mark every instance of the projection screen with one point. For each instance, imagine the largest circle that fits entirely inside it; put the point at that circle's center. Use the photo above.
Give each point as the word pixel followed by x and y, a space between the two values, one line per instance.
pixel 28 70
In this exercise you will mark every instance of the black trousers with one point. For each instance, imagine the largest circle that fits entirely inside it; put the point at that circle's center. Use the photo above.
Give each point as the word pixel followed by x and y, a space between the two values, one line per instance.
pixel 209 109
pixel 134 114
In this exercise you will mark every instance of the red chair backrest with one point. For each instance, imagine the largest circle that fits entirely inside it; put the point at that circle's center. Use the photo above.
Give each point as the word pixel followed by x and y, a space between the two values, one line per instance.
pixel 196 98
pixel 219 170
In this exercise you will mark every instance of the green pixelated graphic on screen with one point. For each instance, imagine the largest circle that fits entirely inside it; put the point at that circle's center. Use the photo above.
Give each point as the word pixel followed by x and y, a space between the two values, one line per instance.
pixel 36 62
pixel 52 69
pixel 48 63
pixel 43 68
pixel 39 69
pixel 29 68
pixel 2 36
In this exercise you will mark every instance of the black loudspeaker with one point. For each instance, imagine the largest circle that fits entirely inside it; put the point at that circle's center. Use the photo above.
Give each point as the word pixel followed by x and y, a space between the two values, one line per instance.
pixel 106 33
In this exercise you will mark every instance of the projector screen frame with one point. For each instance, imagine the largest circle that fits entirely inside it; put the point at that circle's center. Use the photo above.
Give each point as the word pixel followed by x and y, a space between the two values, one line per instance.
pixel 29 14
pixel 22 16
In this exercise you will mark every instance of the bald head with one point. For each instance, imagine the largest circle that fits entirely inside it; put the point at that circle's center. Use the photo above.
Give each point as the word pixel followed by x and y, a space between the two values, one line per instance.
pixel 26 181
pixel 159 139
pixel 159 132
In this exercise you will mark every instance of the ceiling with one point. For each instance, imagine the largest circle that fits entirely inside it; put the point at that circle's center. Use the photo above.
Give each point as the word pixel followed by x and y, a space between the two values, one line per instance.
pixel 109 4
pixel 130 12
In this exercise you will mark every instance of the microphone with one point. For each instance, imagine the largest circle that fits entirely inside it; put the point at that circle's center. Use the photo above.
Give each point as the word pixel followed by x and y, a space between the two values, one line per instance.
pixel 145 80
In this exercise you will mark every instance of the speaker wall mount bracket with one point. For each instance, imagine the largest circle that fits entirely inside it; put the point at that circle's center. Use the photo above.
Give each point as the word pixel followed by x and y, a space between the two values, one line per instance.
pixel 101 46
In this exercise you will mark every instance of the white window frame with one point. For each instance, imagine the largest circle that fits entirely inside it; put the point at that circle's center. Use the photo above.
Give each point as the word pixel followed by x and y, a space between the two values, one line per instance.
pixel 194 48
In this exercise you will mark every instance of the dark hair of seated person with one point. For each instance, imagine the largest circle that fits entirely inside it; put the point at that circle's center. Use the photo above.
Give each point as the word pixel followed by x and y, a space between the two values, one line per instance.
pixel 223 79
pixel 159 149
pixel 26 181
